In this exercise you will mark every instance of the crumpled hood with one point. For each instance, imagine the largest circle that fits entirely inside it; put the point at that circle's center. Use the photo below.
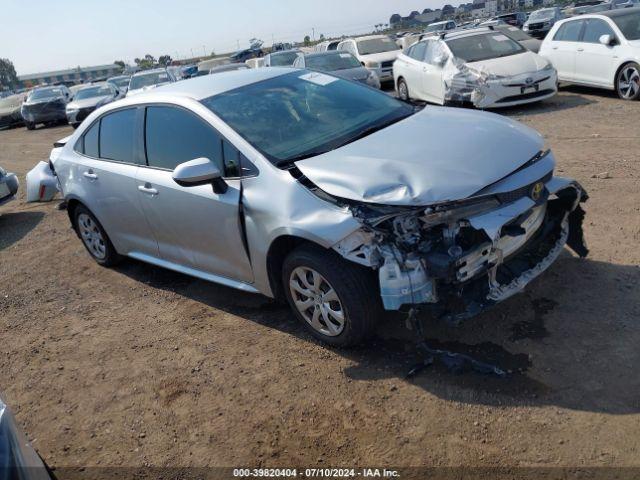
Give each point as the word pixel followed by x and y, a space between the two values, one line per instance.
pixel 88 102
pixel 513 65
pixel 439 154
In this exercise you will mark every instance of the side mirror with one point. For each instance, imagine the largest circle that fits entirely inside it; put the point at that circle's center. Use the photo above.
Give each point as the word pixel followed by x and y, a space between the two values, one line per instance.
pixel 607 40
pixel 200 171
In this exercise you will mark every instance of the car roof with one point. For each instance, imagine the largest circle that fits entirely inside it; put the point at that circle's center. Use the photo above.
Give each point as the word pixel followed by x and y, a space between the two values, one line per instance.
pixel 326 53
pixel 462 33
pixel 280 52
pixel 92 85
pixel 618 12
pixel 367 37
pixel 207 86
pixel 148 72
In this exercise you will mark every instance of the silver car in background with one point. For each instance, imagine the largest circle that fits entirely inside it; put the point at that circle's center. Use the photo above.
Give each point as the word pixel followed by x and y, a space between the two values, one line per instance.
pixel 334 196
pixel 340 64
pixel 89 98
pixel 148 79
pixel 8 186
pixel 121 82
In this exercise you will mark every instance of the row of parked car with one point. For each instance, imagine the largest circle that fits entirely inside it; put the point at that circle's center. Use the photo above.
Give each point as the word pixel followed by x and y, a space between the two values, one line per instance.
pixel 491 66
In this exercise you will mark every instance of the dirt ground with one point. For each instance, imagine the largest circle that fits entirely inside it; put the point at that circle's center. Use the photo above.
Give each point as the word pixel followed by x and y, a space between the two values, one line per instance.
pixel 140 366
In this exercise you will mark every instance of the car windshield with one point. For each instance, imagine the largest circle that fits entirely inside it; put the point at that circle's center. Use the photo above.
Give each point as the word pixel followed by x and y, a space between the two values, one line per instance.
pixel 475 48
pixel 303 114
pixel 120 81
pixel 542 14
pixel 43 93
pixel 376 45
pixel 629 25
pixel 284 59
pixel 90 92
pixel 148 79
pixel 332 62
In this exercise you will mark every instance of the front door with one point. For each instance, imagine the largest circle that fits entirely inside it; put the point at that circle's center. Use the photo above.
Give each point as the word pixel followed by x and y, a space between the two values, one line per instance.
pixel 595 62
pixel 194 226
pixel 563 49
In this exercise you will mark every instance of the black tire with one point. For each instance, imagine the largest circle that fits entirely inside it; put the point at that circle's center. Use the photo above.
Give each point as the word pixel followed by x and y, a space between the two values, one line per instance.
pixel 110 257
pixel 628 74
pixel 30 126
pixel 403 90
pixel 356 288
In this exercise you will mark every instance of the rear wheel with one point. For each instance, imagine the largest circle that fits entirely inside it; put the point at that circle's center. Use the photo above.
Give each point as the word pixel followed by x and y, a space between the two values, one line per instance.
pixel 403 90
pixel 628 81
pixel 94 238
pixel 336 300
pixel 30 126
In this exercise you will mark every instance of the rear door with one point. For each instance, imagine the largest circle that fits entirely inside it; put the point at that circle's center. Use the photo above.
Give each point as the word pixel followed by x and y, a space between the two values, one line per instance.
pixel 595 62
pixel 194 226
pixel 105 168
pixel 563 49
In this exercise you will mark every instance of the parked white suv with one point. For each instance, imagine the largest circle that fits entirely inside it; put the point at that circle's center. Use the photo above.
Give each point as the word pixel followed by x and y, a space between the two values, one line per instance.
pixel 332 195
pixel 598 50
pixel 376 53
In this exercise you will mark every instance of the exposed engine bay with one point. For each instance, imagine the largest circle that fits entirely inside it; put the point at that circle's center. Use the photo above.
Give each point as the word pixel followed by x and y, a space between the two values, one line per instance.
pixel 459 258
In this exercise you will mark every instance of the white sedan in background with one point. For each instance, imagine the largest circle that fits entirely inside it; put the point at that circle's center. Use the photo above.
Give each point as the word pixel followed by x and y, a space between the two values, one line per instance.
pixel 598 50
pixel 482 67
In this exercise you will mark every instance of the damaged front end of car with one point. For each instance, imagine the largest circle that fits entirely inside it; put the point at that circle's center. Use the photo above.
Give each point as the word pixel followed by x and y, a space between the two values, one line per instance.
pixel 458 258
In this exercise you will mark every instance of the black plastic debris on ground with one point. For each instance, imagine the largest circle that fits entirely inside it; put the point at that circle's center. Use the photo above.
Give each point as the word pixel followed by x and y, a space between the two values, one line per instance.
pixel 485 358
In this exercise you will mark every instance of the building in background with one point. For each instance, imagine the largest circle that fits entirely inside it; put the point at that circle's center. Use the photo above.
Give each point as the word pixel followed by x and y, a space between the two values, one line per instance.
pixel 71 76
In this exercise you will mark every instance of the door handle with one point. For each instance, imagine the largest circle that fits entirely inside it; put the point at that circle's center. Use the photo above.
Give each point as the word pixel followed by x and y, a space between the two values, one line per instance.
pixel 147 188
pixel 581 49
pixel 554 48
pixel 90 175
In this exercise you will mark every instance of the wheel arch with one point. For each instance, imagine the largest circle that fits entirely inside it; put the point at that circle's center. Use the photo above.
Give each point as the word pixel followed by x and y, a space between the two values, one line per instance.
pixel 623 64
pixel 278 250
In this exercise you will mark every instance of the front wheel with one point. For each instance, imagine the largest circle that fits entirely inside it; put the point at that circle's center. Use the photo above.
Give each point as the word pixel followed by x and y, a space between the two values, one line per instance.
pixel 628 82
pixel 94 238
pixel 336 300
pixel 30 126
pixel 403 90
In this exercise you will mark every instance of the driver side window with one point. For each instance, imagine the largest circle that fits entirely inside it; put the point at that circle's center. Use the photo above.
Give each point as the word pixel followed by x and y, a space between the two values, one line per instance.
pixel 174 136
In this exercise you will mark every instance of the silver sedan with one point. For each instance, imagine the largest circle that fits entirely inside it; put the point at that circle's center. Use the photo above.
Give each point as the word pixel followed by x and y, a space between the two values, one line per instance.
pixel 338 198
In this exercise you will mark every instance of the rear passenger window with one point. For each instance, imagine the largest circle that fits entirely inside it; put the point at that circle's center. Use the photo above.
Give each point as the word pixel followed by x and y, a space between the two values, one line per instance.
pixel 417 51
pixel 569 32
pixel 91 141
pixel 117 136
pixel 174 136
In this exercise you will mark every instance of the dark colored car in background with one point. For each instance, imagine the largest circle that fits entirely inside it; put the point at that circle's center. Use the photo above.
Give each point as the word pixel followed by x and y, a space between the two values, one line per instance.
pixel 10 111
pixel 247 54
pixel 517 35
pixel 88 99
pixel 515 19
pixel 540 22
pixel 338 63
pixel 8 188
pixel 46 105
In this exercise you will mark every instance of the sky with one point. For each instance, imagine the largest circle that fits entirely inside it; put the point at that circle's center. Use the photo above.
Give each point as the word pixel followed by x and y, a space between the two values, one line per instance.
pixel 45 35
